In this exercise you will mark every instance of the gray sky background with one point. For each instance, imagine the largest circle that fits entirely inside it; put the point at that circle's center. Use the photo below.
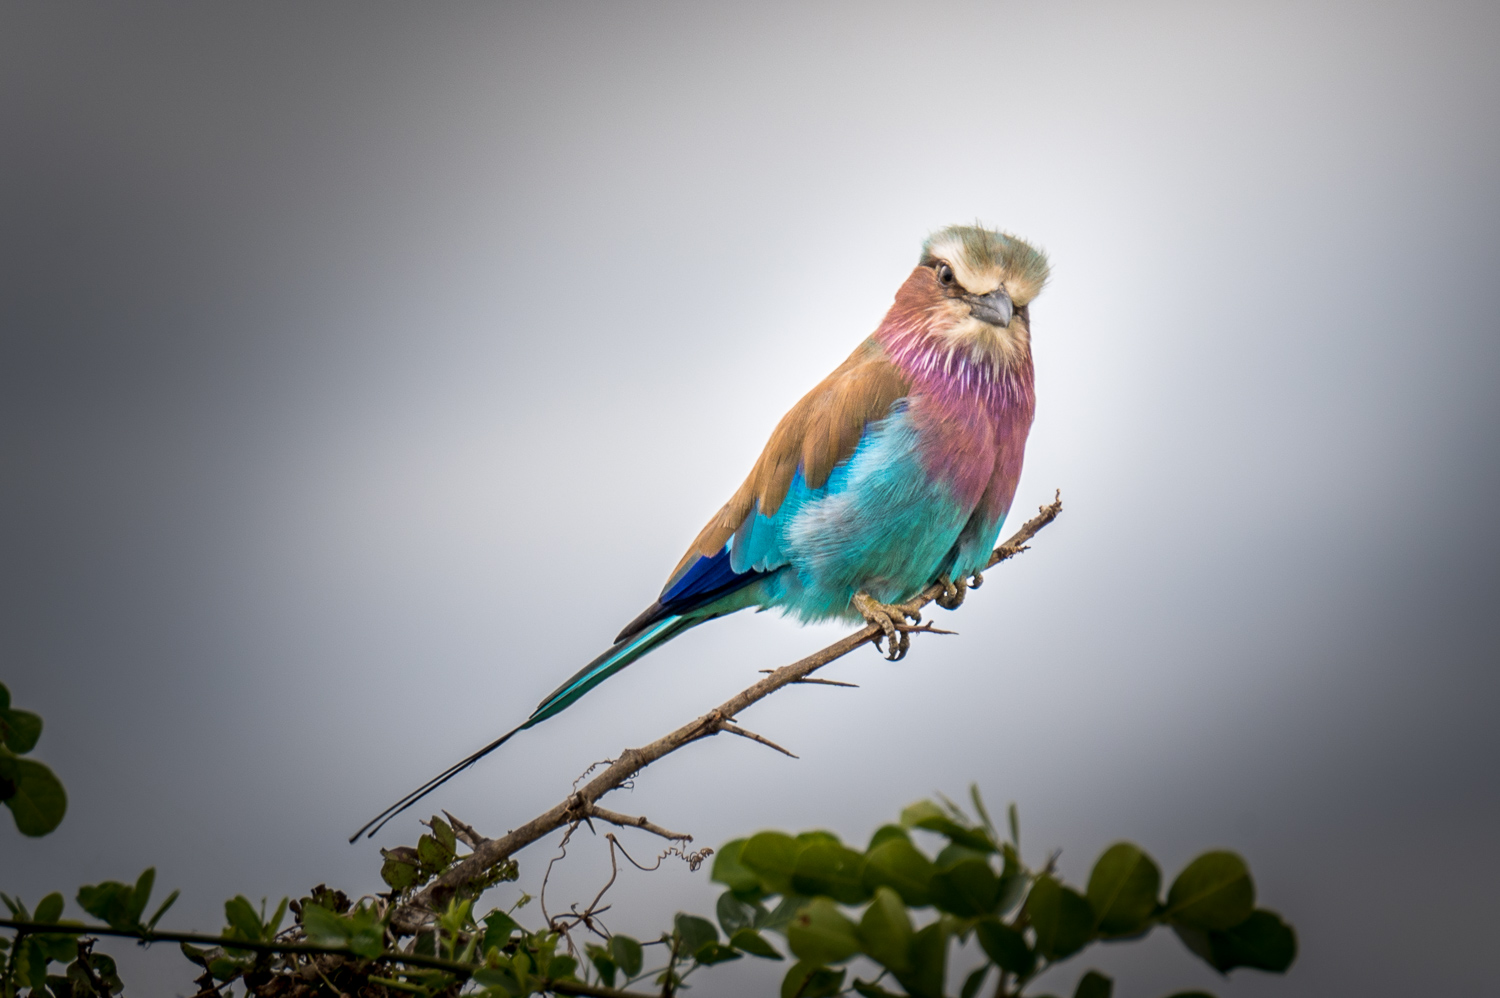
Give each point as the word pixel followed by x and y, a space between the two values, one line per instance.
pixel 364 368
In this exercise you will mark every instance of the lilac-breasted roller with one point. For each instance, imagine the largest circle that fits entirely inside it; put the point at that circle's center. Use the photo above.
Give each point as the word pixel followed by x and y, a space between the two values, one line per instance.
pixel 894 472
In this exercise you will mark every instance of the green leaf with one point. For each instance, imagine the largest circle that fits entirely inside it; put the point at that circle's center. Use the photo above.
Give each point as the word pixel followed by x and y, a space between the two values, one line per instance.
pixel 502 980
pixel 711 953
pixel 926 814
pixel 366 933
pixel 19 730
pixel 498 928
pixel 929 963
pixel 397 873
pixel 898 864
pixel 821 934
pixel 4 697
pixel 882 835
pixel 694 932
pixel 1014 818
pixel 885 932
pixel 50 908
pixel 755 944
pixel 818 835
pixel 981 810
pixel 1012 890
pixel 1213 892
pixel 627 953
pixel 832 870
pixel 773 858
pixel 244 923
pixel 808 980
pixel 730 871
pixel 444 834
pixel 968 890
pixel 1062 918
pixel 323 926
pixel 952 854
pixel 922 810
pixel 781 916
pixel 109 902
pixel 59 948
pixel 872 990
pixel 141 894
pixel 37 800
pixel 431 852
pixel 1006 946
pixel 1262 941
pixel 733 914
pixel 604 964
pixel 1123 889
pixel 172 899
pixel 565 968
pixel 974 982
pixel 224 968
pixel 33 964
pixel 1094 985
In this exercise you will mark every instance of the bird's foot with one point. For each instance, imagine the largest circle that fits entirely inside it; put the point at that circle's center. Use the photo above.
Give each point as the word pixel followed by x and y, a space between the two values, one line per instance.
pixel 954 590
pixel 952 596
pixel 892 619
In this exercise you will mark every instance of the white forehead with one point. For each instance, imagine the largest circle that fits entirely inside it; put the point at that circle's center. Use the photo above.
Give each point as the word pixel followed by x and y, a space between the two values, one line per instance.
pixel 977 277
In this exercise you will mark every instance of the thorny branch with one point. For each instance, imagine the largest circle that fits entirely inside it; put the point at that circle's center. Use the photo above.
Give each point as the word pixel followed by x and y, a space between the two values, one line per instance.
pixel 581 804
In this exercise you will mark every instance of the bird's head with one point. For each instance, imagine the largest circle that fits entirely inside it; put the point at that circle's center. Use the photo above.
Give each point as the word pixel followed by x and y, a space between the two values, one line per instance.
pixel 971 291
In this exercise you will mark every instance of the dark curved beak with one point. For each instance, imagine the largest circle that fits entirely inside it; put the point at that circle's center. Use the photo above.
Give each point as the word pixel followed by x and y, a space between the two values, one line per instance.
pixel 994 308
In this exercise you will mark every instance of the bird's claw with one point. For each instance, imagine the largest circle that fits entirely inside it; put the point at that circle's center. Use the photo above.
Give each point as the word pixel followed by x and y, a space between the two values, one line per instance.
pixel 892 619
pixel 954 590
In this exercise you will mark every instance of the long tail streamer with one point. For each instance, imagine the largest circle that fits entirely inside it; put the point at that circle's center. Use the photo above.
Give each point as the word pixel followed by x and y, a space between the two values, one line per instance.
pixel 591 675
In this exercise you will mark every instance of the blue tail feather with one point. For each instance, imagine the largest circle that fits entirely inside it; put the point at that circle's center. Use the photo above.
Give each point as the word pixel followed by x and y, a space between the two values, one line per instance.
pixel 621 654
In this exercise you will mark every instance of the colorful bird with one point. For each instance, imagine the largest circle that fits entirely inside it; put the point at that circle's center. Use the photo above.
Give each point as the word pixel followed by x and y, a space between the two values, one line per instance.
pixel 896 471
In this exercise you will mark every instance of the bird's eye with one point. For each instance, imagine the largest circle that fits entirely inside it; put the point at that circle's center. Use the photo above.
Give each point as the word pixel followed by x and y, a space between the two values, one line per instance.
pixel 945 275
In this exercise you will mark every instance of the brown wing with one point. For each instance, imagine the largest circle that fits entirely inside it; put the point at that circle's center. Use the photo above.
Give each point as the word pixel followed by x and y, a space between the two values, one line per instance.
pixel 819 432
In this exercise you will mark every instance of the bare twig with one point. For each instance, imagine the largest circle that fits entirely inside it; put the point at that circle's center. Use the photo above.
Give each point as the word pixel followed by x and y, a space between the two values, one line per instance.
pixel 626 821
pixel 418 910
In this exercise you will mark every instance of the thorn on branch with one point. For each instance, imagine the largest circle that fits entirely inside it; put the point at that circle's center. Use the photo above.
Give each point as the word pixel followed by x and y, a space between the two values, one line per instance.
pixel 810 679
pixel 735 729
pixel 926 628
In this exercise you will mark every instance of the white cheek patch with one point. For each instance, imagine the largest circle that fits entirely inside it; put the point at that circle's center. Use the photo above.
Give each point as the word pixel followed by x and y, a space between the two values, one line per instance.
pixel 986 344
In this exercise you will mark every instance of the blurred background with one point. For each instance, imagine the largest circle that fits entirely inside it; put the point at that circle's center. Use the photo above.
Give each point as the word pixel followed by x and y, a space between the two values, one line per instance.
pixel 364 367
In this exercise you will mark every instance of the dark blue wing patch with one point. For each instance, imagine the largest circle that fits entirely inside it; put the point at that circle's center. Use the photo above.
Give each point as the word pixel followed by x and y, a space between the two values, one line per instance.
pixel 706 580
